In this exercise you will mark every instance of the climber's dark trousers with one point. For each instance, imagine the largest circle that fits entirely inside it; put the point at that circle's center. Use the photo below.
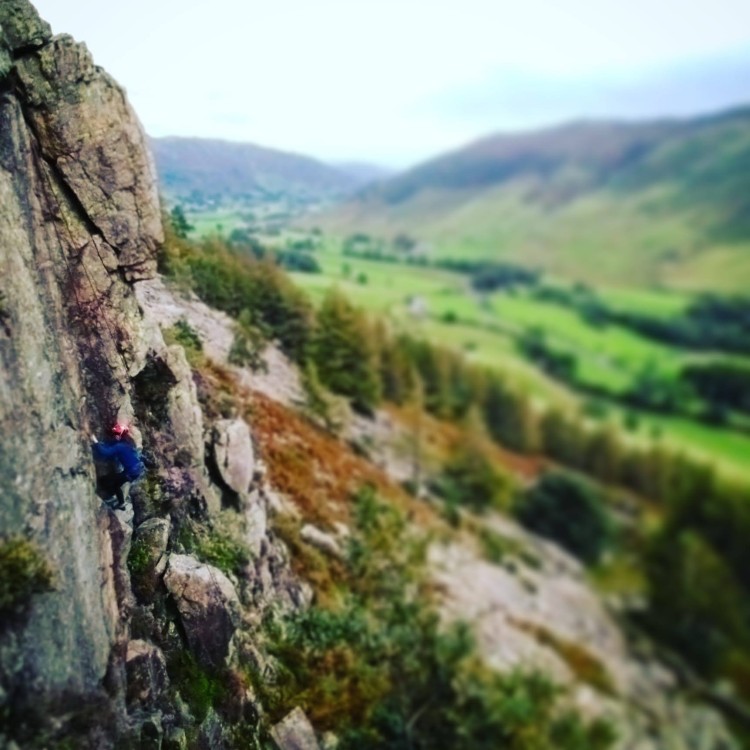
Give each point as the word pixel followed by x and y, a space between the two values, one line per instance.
pixel 111 485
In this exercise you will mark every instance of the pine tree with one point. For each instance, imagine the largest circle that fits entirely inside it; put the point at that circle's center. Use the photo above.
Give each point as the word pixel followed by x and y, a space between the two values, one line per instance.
pixel 509 417
pixel 343 353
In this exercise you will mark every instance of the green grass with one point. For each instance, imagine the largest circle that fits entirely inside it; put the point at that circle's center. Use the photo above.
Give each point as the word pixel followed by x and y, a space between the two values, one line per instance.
pixel 661 303
pixel 221 221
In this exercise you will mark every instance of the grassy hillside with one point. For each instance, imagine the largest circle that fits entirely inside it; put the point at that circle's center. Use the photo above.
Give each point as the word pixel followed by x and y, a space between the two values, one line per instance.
pixel 609 362
pixel 658 204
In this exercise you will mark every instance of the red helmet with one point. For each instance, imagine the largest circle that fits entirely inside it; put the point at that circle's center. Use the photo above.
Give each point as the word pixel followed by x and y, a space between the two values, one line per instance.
pixel 119 429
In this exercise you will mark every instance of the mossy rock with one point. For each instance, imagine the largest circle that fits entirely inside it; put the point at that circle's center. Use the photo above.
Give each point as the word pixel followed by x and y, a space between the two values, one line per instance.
pixel 23 572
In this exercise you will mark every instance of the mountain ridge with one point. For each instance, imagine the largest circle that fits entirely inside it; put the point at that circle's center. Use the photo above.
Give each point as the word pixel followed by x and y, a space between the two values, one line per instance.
pixel 664 200
pixel 232 168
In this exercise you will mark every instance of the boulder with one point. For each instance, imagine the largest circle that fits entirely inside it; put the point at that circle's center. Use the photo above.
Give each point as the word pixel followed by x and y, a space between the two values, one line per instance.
pixel 256 522
pixel 233 452
pixel 294 732
pixel 320 540
pixel 146 671
pixel 208 605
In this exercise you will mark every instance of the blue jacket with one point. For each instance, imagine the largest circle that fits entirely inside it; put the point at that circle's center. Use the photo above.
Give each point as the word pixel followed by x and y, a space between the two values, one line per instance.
pixel 124 452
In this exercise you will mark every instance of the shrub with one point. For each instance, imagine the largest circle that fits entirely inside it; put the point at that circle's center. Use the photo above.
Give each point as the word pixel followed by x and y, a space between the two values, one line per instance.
pixel 376 668
pixel 185 335
pixel 214 546
pixel 23 573
pixel 696 603
pixel 469 479
pixel 247 345
pixel 569 511
pixel 343 354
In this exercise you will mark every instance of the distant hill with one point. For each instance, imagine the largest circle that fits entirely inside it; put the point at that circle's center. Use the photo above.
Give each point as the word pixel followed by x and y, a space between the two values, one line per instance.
pixel 238 170
pixel 664 202
pixel 364 173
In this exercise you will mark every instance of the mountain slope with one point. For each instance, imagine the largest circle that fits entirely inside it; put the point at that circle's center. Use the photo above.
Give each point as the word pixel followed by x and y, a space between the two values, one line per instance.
pixel 363 172
pixel 211 167
pixel 651 203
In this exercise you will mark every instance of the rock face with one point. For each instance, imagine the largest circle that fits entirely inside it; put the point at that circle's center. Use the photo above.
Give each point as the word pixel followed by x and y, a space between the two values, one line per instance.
pixel 79 231
pixel 146 672
pixel 79 216
pixel 208 604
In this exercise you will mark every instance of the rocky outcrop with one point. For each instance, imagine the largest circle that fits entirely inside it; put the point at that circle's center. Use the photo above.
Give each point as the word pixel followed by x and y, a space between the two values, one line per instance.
pixel 146 671
pixel 22 28
pixel 536 609
pixel 256 521
pixel 294 732
pixel 80 216
pixel 233 453
pixel 164 306
pixel 320 540
pixel 208 605
pixel 86 132
pixel 148 557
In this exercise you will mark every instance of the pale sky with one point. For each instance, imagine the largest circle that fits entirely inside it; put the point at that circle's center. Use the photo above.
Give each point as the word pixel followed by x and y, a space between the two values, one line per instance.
pixel 396 81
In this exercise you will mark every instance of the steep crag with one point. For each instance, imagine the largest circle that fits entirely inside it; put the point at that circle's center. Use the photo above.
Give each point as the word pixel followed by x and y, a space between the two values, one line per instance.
pixel 80 215
pixel 80 223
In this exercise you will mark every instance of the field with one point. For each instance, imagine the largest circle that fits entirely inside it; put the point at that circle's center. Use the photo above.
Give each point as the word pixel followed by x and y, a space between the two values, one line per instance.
pixel 609 360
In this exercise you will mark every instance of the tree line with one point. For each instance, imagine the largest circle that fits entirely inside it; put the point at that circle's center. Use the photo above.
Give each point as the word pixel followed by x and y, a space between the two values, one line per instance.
pixel 698 564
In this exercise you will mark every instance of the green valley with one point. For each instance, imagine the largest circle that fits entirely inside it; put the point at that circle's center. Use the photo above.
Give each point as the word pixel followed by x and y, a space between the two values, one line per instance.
pixel 635 204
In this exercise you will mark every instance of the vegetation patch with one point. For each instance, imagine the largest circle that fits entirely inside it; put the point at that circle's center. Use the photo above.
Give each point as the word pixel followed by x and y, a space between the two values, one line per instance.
pixel 247 344
pixel 501 549
pixel 219 394
pixel 471 480
pixel 310 466
pixel 199 688
pixel 322 571
pixel 582 663
pixel 214 546
pixel 569 511
pixel 375 667
pixel 23 573
pixel 185 335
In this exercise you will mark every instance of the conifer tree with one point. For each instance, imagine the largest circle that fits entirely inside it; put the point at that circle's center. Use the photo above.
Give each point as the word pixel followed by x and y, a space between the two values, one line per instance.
pixel 560 438
pixel 509 417
pixel 394 366
pixel 343 352
pixel 604 455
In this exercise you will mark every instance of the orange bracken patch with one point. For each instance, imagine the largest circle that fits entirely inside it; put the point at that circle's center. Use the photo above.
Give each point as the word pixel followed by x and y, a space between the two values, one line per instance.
pixel 441 437
pixel 313 468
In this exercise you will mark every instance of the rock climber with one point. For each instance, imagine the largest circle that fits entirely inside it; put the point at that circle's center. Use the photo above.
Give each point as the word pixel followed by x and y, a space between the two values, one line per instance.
pixel 122 451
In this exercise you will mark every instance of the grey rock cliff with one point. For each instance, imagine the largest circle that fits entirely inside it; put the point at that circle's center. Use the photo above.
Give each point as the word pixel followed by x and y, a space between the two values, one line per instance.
pixel 88 662
pixel 79 217
pixel 79 223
